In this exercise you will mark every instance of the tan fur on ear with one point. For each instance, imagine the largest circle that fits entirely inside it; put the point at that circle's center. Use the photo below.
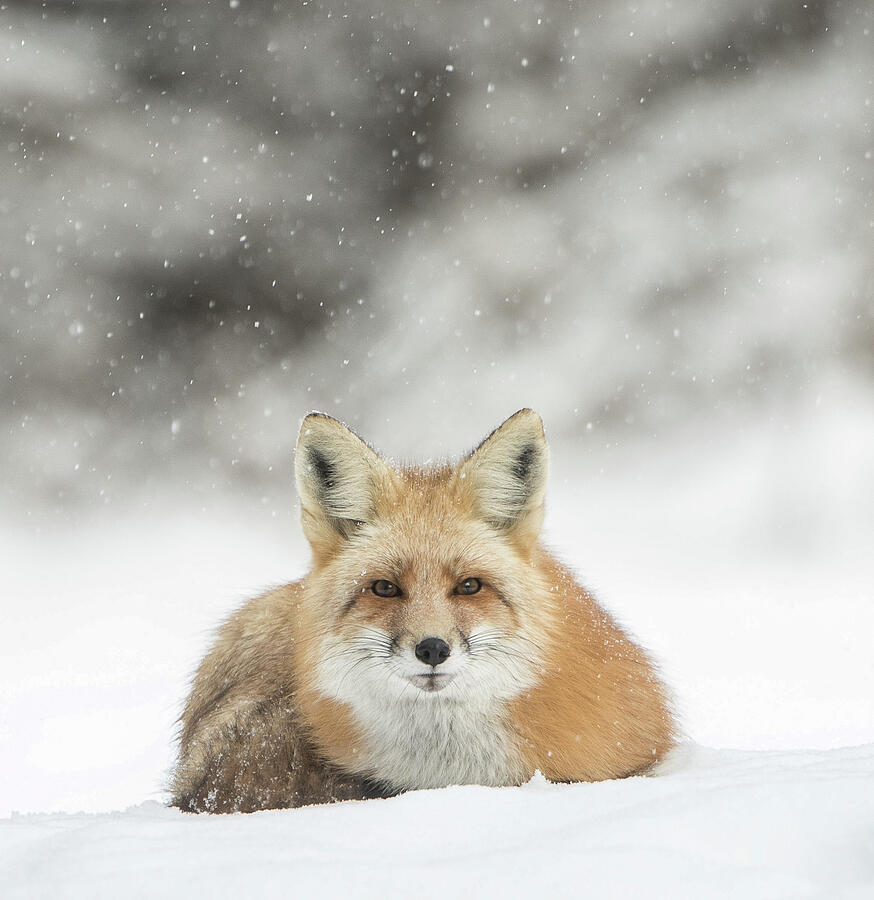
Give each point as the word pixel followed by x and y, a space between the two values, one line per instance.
pixel 337 477
pixel 507 476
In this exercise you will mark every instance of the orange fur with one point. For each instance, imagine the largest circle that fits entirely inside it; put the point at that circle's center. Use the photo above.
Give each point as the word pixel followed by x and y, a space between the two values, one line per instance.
pixel 599 711
pixel 320 690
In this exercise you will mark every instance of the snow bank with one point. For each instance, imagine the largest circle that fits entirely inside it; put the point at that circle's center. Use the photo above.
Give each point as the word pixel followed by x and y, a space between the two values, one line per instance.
pixel 716 824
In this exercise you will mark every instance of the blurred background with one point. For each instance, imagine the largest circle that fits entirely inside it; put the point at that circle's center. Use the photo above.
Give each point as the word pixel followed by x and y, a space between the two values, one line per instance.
pixel 640 218
pixel 652 221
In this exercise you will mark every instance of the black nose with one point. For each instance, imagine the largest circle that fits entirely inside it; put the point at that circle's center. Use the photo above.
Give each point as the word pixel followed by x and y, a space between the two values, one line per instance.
pixel 432 651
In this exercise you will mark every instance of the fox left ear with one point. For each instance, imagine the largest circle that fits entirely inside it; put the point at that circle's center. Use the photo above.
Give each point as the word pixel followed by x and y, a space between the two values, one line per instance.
pixel 507 475
pixel 338 478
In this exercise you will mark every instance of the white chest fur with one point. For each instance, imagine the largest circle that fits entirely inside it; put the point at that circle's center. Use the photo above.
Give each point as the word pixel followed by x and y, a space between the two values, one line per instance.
pixel 430 741
pixel 417 739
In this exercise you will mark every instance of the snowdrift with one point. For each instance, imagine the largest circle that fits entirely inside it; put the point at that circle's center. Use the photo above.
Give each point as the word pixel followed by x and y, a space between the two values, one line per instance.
pixel 714 823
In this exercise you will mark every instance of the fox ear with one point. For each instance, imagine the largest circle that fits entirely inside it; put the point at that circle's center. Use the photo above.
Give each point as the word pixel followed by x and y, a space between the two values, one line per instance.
pixel 337 478
pixel 507 476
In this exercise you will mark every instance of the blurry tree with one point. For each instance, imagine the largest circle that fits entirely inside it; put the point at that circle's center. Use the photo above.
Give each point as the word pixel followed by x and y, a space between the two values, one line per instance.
pixel 218 215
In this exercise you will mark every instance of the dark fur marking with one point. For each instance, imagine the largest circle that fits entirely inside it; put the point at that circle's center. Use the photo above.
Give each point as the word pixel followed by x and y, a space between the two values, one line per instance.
pixel 503 599
pixel 346 527
pixel 326 474
pixel 325 470
pixel 525 462
pixel 347 606
pixel 212 704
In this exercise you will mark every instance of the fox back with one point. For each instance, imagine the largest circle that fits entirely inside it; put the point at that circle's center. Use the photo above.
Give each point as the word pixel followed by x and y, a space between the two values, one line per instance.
pixel 434 642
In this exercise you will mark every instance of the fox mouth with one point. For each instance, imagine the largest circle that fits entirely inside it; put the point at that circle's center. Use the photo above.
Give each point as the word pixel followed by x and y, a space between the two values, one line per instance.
pixel 431 682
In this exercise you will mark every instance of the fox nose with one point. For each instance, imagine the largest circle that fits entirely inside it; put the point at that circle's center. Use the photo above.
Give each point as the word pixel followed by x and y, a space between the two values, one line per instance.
pixel 432 651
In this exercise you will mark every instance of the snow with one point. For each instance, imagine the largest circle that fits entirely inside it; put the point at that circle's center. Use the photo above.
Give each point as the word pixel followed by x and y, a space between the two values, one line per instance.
pixel 719 824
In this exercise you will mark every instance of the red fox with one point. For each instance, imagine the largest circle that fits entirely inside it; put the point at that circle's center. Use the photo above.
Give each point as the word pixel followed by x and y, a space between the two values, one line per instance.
pixel 434 642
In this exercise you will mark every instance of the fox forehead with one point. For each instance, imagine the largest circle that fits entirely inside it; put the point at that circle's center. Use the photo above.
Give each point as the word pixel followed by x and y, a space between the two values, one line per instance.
pixel 415 493
pixel 424 527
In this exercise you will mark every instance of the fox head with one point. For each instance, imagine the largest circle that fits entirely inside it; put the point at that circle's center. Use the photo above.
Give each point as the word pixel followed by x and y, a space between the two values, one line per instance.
pixel 423 584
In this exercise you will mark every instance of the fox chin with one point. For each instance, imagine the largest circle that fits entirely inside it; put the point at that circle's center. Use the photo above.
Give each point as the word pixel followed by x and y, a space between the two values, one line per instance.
pixel 434 642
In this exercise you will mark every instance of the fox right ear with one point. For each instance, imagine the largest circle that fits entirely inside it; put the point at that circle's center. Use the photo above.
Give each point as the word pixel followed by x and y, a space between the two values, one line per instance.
pixel 337 478
pixel 507 476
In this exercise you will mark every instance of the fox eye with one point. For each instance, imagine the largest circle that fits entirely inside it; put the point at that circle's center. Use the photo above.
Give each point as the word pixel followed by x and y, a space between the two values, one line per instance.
pixel 468 586
pixel 383 588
